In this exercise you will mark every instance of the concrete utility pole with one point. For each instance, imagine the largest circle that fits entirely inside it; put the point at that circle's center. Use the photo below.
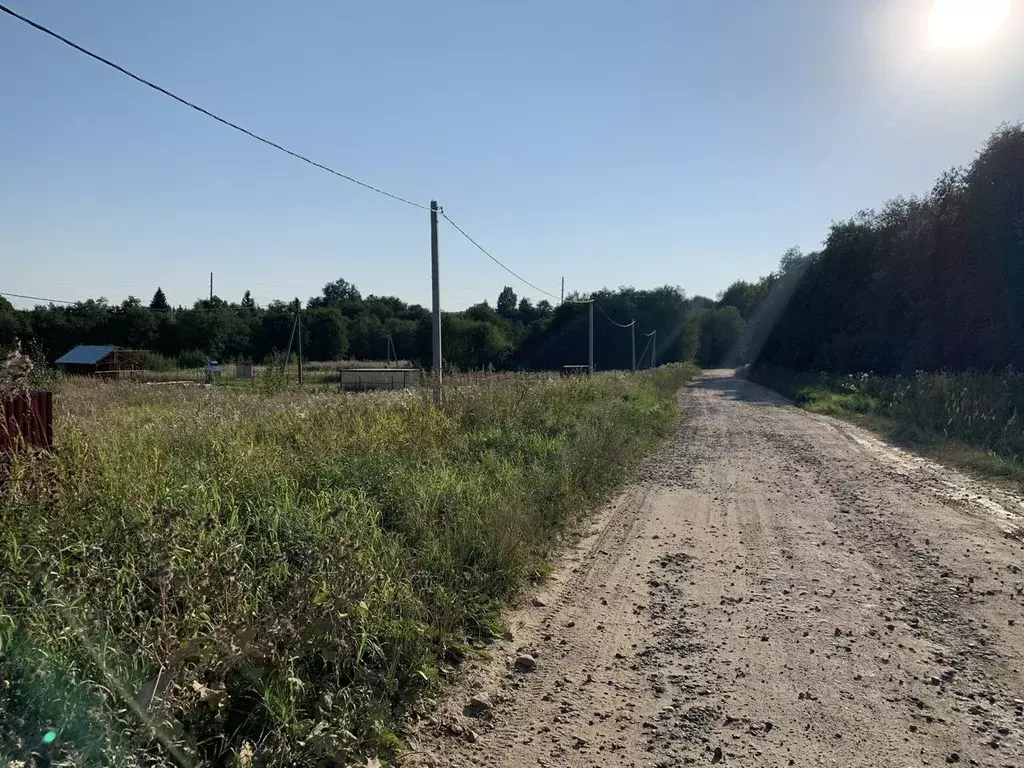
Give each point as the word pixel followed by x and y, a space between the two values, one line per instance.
pixel 591 336
pixel 654 350
pixel 291 338
pixel 435 284
pixel 632 342
pixel 298 319
pixel 562 300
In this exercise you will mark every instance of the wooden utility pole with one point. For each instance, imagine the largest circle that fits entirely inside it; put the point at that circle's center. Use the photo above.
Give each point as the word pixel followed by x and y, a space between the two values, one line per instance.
pixel 211 288
pixel 435 288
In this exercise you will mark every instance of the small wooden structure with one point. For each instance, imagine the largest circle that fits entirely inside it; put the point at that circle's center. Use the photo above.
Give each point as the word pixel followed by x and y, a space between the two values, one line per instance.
pixel 99 360
pixel 27 420
pixel 363 379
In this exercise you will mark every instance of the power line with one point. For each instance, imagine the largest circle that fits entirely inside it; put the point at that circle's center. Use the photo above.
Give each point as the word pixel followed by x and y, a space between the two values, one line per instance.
pixel 257 137
pixel 486 253
pixel 37 298
pixel 68 302
pixel 627 325
pixel 201 110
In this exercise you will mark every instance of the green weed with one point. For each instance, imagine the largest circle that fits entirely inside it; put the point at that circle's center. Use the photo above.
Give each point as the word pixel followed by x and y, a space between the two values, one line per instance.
pixel 207 575
pixel 970 419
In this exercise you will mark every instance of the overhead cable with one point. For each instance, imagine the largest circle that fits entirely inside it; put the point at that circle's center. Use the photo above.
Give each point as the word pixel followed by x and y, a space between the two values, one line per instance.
pixel 37 298
pixel 257 137
pixel 203 111
pixel 68 302
pixel 627 325
pixel 487 253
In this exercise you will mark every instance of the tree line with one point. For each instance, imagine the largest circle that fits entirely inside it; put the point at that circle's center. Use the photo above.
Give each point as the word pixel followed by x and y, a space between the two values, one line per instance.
pixel 341 323
pixel 924 284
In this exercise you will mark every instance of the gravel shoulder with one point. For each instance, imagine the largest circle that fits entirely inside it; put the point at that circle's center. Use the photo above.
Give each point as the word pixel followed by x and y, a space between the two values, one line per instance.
pixel 774 588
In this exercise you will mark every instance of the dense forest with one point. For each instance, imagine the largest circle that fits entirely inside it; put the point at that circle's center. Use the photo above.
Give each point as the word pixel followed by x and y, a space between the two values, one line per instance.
pixel 924 284
pixel 928 283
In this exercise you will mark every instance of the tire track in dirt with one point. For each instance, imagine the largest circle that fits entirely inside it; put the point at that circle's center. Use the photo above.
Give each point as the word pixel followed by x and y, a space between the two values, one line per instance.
pixel 775 588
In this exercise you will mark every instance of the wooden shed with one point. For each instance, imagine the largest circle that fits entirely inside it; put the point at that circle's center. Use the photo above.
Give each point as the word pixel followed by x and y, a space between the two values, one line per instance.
pixel 90 360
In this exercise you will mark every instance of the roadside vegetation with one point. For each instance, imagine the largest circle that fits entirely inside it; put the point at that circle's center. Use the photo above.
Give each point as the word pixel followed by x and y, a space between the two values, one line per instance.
pixel 972 419
pixel 229 577
pixel 930 283
pixel 927 295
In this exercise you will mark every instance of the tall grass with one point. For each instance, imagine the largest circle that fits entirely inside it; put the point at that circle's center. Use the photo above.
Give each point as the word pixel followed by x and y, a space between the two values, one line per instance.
pixel 224 576
pixel 981 409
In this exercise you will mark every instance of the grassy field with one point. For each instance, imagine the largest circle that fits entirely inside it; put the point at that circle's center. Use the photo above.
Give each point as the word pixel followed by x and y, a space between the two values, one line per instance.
pixel 974 420
pixel 224 576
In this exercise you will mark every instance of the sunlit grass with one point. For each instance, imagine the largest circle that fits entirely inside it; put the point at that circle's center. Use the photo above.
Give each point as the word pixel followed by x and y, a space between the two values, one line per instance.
pixel 215 572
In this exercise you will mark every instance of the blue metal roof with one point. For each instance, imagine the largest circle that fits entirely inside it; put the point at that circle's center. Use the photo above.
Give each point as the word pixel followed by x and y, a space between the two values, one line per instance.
pixel 85 355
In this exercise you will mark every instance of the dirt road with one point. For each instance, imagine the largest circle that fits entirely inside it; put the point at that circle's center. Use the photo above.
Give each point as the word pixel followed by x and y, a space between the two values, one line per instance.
pixel 775 589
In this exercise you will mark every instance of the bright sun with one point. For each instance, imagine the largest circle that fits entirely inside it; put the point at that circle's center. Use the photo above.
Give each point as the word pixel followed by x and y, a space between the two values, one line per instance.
pixel 960 23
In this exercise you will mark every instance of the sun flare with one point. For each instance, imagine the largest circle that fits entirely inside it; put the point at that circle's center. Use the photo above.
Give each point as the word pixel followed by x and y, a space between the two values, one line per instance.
pixel 962 23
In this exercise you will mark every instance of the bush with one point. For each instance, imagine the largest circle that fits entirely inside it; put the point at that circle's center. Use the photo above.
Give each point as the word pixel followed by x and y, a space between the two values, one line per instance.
pixel 151 361
pixel 977 408
pixel 193 358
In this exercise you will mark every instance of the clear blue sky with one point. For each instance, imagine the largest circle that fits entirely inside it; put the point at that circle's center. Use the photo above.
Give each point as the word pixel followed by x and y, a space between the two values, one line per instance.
pixel 615 143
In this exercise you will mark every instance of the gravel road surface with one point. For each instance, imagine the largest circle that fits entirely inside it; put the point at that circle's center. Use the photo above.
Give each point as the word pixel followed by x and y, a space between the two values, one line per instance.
pixel 775 589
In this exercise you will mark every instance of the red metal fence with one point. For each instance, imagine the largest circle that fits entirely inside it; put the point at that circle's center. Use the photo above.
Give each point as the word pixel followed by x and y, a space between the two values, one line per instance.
pixel 27 420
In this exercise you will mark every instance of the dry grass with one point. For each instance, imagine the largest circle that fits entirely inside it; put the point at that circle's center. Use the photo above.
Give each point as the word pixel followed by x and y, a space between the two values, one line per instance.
pixel 201 573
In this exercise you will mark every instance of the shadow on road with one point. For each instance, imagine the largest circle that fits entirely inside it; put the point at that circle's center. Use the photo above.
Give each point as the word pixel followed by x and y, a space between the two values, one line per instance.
pixel 733 387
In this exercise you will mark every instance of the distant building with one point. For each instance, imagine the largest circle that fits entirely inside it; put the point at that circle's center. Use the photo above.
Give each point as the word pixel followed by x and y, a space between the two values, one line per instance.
pixel 89 360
